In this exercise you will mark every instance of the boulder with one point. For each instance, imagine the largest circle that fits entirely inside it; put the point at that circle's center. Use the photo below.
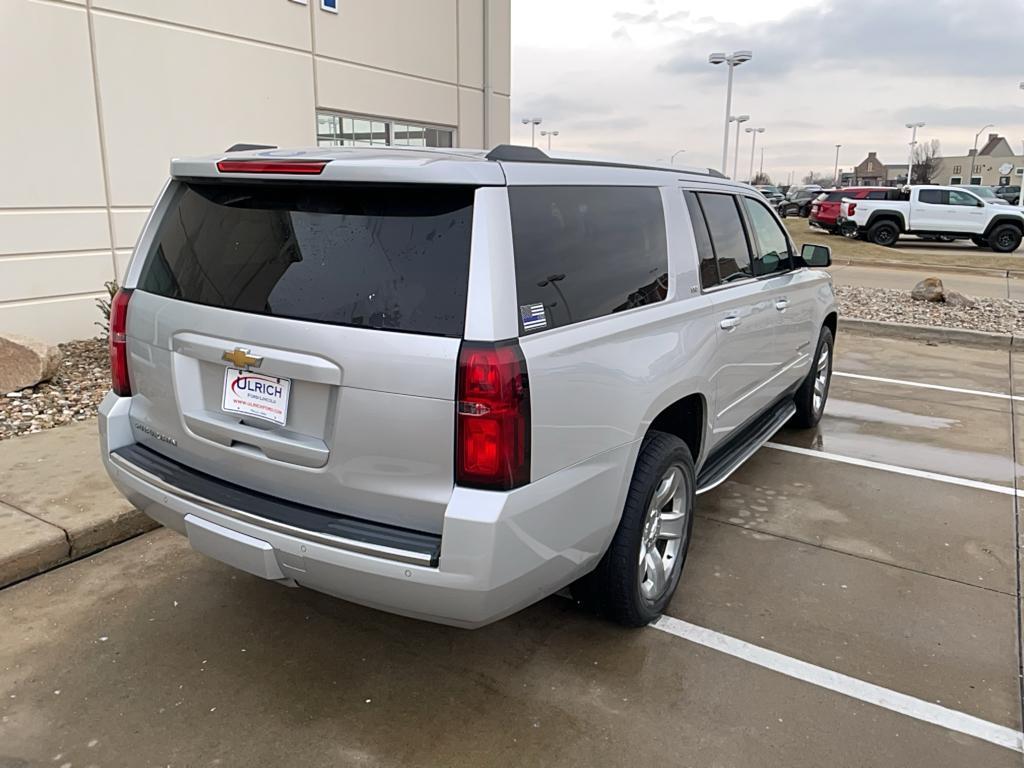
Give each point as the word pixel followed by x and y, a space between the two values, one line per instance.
pixel 929 289
pixel 24 362
pixel 957 299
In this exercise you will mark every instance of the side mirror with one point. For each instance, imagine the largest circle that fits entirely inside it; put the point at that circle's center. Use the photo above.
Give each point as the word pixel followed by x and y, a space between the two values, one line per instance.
pixel 816 255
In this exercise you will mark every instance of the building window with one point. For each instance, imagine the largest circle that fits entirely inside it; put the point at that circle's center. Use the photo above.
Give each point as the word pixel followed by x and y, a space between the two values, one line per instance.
pixel 956 169
pixel 329 5
pixel 975 180
pixel 334 130
pixel 954 180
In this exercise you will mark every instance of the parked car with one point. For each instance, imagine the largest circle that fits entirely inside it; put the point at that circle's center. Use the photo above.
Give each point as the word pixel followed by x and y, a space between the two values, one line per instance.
pixel 798 202
pixel 771 192
pixel 985 193
pixel 1010 194
pixel 825 209
pixel 446 383
pixel 936 212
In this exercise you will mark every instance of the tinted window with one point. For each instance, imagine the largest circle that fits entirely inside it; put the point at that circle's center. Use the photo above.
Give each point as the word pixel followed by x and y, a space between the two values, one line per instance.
pixel 878 194
pixel 933 196
pixel 705 251
pixel 380 258
pixel 771 246
pixel 727 234
pixel 585 252
pixel 835 197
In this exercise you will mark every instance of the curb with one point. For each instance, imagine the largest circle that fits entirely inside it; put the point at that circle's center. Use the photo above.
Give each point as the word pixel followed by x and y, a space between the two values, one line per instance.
pixel 35 557
pixel 881 264
pixel 936 333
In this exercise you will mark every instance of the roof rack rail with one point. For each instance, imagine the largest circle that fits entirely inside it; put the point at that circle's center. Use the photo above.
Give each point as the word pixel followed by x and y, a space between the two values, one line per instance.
pixel 512 153
pixel 247 147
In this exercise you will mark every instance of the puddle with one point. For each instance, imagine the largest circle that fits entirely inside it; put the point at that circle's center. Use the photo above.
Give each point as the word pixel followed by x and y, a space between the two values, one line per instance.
pixel 851 409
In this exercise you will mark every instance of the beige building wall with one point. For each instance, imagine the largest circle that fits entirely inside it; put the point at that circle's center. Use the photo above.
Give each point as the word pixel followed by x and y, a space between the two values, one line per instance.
pixel 107 91
pixel 988 167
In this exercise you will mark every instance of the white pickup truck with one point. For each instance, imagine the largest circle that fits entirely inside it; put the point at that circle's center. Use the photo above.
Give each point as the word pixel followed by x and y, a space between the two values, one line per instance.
pixel 931 211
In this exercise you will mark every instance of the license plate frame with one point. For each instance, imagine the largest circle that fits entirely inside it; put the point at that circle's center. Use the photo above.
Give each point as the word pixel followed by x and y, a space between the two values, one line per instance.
pixel 248 393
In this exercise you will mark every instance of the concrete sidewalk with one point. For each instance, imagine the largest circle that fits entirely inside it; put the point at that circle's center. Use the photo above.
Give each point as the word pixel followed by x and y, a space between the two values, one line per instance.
pixel 56 502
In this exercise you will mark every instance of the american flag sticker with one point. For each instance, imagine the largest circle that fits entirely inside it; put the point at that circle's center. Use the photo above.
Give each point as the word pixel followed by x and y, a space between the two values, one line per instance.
pixel 533 316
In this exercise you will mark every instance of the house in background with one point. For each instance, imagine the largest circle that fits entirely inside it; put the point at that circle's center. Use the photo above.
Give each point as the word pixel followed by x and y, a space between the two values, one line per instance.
pixel 994 165
pixel 872 172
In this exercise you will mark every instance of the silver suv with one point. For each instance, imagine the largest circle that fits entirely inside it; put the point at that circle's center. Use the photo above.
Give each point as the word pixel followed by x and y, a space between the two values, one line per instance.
pixel 449 383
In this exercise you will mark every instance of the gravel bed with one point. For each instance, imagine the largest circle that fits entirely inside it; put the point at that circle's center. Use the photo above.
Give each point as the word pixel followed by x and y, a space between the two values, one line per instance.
pixel 894 306
pixel 72 395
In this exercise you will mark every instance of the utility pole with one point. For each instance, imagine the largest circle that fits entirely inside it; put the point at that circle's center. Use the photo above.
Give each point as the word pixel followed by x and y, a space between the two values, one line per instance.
pixel 913 143
pixel 974 155
pixel 733 60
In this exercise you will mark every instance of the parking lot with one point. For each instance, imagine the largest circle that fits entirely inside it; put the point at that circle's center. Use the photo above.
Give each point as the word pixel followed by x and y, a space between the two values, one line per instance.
pixel 882 547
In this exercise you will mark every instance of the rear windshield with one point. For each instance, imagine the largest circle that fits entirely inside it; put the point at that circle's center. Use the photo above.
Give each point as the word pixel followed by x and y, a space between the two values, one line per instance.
pixel 836 196
pixel 392 258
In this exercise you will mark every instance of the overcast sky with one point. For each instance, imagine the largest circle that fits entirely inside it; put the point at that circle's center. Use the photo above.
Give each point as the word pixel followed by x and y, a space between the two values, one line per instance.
pixel 630 78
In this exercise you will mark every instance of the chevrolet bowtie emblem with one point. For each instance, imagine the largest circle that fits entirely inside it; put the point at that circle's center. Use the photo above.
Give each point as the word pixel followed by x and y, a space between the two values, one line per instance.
pixel 241 358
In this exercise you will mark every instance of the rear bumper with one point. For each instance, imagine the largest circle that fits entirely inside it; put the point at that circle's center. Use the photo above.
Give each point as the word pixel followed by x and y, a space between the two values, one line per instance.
pixel 498 552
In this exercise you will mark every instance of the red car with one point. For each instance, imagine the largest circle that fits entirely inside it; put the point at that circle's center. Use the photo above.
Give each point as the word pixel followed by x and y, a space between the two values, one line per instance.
pixel 825 209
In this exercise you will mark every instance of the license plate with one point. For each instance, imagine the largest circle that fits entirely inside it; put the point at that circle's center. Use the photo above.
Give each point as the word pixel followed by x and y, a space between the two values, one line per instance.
pixel 256 394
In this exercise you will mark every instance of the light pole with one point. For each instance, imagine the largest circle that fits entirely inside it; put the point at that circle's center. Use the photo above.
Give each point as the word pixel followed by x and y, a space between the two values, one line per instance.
pixel 913 142
pixel 835 175
pixel 760 171
pixel 533 122
pixel 753 142
pixel 733 60
pixel 974 155
pixel 736 156
pixel 1020 183
pixel 672 160
pixel 549 134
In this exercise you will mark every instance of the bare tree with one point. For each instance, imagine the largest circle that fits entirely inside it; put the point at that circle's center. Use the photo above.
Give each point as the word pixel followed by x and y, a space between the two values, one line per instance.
pixel 927 156
pixel 822 180
pixel 761 178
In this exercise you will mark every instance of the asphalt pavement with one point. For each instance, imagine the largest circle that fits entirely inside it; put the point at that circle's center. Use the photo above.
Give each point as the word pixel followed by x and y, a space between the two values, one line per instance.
pixel 851 598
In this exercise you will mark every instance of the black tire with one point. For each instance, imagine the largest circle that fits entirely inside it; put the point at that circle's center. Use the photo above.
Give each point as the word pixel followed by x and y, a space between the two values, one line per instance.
pixel 615 589
pixel 808 414
pixel 980 241
pixel 1005 238
pixel 884 233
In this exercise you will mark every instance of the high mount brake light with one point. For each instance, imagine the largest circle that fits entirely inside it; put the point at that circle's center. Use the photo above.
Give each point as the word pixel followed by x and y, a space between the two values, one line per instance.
pixel 492 433
pixel 299 167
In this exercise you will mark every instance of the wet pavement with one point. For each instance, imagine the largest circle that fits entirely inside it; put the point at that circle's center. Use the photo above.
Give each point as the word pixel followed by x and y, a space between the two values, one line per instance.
pixel 149 654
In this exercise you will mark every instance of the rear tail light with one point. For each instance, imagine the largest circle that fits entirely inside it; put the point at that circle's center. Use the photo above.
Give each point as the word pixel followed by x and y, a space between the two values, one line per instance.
pixel 119 381
pixel 492 432
pixel 851 209
pixel 301 167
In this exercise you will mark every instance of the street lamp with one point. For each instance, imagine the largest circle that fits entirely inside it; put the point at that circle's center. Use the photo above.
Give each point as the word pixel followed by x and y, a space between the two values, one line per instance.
pixel 672 159
pixel 974 155
pixel 736 156
pixel 733 60
pixel 549 134
pixel 753 142
pixel 533 122
pixel 913 143
pixel 835 175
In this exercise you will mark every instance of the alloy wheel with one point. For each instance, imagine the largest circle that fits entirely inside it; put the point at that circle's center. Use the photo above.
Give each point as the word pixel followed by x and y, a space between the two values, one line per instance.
pixel 664 532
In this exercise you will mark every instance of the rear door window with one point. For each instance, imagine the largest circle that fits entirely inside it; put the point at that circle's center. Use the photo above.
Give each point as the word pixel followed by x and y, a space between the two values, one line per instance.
pixel 933 196
pixel 375 257
pixel 728 235
pixel 586 252
pixel 878 195
pixel 705 250
pixel 771 247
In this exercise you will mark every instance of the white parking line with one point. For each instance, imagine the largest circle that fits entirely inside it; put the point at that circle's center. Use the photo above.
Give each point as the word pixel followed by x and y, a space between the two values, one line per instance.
pixel 951 479
pixel 922 385
pixel 844 684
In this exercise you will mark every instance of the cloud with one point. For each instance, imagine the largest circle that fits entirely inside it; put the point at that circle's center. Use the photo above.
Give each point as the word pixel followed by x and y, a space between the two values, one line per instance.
pixel 868 36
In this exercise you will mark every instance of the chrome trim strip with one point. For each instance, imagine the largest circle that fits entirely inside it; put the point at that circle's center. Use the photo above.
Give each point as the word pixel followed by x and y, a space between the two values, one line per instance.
pixel 337 542
pixel 750 451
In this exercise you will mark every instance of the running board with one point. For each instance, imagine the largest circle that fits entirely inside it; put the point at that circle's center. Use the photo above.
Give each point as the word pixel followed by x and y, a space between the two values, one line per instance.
pixel 727 459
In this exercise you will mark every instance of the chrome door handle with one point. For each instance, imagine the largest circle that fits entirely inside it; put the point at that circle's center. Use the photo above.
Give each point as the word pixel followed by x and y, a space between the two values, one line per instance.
pixel 730 323
pixel 782 305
